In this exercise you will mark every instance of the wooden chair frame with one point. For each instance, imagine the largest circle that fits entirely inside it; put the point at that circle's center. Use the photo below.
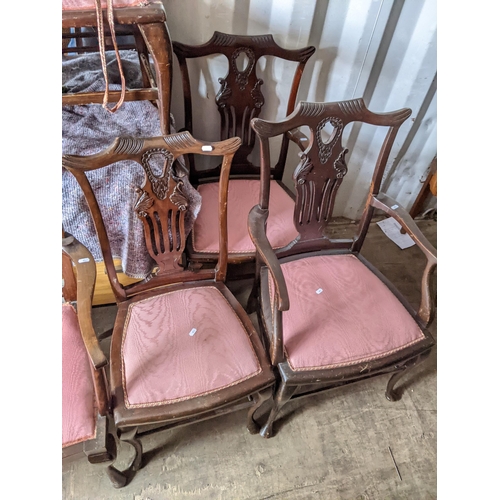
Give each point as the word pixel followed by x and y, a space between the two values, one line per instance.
pixel 319 175
pixel 165 194
pixel 148 26
pixel 103 447
pixel 238 100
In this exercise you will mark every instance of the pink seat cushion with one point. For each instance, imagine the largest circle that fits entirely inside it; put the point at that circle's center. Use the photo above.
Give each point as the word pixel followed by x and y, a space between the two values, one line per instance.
pixel 243 195
pixel 78 410
pixel 341 314
pixel 90 4
pixel 183 344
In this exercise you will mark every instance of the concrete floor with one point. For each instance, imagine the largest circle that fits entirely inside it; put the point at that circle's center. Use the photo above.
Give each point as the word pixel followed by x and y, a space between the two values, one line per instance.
pixel 350 443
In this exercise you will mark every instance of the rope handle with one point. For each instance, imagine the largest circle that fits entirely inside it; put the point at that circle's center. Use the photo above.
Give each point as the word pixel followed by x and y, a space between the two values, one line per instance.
pixel 102 52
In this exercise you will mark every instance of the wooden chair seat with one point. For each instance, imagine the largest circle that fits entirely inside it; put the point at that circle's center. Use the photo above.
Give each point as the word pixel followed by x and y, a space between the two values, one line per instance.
pixel 356 318
pixel 243 194
pixel 331 318
pixel 182 349
pixel 171 359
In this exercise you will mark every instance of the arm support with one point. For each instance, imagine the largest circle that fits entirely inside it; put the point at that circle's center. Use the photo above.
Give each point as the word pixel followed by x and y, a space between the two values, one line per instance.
pixel 298 138
pixel 86 275
pixel 391 207
pixel 257 228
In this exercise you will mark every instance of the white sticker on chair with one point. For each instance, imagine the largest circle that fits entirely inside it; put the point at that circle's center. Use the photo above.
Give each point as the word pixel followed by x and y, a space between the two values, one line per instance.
pixel 81 261
pixel 394 207
pixel 192 332
pixel 207 148
pixel 319 290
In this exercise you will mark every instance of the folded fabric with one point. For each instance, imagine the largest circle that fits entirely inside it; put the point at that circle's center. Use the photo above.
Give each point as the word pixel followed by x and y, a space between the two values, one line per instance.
pixel 89 129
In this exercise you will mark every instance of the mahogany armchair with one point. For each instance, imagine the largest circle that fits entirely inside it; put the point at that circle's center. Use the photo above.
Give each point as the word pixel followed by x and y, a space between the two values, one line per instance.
pixel 329 317
pixel 85 401
pixel 182 349
pixel 239 99
pixel 144 23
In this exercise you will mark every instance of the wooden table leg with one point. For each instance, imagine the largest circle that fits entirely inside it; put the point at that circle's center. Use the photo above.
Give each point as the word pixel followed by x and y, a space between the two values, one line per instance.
pixel 157 39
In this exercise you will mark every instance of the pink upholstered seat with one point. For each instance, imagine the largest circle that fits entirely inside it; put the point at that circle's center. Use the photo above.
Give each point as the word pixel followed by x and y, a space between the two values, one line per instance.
pixel 90 4
pixel 243 195
pixel 340 314
pixel 183 344
pixel 78 409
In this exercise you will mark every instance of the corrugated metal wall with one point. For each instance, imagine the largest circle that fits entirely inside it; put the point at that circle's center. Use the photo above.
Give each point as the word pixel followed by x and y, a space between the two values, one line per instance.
pixel 381 50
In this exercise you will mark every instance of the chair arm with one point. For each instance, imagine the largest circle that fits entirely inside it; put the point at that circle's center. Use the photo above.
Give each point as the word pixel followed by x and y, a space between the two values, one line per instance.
pixel 391 207
pixel 86 275
pixel 257 229
pixel 298 138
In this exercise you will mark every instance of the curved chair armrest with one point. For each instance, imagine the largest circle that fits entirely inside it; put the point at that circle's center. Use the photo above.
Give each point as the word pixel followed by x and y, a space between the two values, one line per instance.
pixel 86 276
pixel 298 138
pixel 257 228
pixel 392 208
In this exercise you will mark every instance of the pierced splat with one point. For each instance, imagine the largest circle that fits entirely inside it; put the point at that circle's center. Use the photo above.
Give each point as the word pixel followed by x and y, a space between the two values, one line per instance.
pixel 165 203
pixel 161 205
pixel 239 100
pixel 323 165
pixel 318 177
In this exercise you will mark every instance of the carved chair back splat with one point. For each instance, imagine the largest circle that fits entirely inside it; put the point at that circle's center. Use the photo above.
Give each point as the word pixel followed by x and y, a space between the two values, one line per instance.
pixel 359 325
pixel 182 349
pixel 240 96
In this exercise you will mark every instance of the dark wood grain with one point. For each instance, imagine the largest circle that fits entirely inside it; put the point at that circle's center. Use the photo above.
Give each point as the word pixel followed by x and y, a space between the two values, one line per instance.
pixel 161 206
pixel 102 447
pixel 324 163
pixel 241 97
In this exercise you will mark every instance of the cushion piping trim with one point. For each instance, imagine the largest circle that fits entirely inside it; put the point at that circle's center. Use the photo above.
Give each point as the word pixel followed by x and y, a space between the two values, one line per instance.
pixel 345 363
pixel 184 398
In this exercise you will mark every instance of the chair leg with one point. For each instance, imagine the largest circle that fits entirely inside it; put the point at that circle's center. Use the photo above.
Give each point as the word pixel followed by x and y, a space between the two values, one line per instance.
pixel 158 43
pixel 282 396
pixel 390 393
pixel 261 397
pixel 120 478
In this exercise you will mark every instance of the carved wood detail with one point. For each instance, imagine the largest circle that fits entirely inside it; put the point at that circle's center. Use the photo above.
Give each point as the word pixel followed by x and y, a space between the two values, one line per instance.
pixel 162 209
pixel 325 149
pixel 316 188
pixel 242 76
pixel 129 145
pixel 159 185
pixel 224 93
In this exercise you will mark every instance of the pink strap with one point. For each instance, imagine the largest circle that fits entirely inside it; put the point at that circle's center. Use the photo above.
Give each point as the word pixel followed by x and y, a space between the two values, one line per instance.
pixel 102 51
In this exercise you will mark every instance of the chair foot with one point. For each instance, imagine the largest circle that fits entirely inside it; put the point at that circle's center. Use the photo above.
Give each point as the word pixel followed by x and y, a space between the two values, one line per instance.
pixel 390 393
pixel 118 478
pixel 261 398
pixel 267 431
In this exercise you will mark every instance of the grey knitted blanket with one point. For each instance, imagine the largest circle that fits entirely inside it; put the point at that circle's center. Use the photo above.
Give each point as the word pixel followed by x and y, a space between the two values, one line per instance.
pixel 88 130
